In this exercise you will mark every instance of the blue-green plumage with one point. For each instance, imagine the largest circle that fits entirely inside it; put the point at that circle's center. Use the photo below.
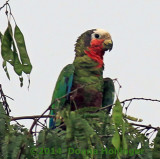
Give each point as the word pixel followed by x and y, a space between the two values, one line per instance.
pixel 63 87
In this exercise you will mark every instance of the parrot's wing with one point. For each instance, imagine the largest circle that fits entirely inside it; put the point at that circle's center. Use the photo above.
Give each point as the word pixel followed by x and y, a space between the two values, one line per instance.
pixel 63 87
pixel 108 93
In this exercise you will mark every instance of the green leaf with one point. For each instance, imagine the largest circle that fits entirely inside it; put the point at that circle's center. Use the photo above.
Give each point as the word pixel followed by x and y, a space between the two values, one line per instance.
pixel 27 67
pixel 116 140
pixel 5 69
pixel 6 51
pixel 16 64
pixel 117 114
pixel 117 117
pixel 8 54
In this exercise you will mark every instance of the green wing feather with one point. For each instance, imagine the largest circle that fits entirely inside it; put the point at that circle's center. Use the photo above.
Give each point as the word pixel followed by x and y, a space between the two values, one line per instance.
pixel 63 87
pixel 108 93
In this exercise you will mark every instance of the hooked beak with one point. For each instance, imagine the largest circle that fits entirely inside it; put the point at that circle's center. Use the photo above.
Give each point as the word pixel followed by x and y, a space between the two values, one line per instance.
pixel 108 45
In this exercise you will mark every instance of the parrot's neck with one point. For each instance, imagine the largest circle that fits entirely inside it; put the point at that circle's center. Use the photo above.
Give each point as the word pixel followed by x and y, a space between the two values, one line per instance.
pixel 94 51
pixel 96 56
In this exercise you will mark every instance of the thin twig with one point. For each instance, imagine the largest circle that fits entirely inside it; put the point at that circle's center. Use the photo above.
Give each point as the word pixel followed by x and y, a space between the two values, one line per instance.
pixel 19 124
pixel 4 101
pixel 42 125
pixel 141 130
pixel 4 5
pixel 131 99
pixel 31 117
pixel 147 99
pixel 127 106
pixel 120 86
pixel 146 126
pixel 152 134
pixel 45 121
pixel 7 5
pixel 32 126
pixel 103 108
pixel 9 97
pixel 60 125
pixel 117 94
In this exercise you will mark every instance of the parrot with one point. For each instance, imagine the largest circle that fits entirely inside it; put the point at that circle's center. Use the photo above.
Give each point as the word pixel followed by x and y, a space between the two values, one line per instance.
pixel 81 84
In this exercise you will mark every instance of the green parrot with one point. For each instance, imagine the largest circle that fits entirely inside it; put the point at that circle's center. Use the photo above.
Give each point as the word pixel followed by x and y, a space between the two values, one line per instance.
pixel 81 84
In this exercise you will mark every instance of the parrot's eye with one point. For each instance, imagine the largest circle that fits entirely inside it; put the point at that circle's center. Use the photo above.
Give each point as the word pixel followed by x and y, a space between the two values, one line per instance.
pixel 96 36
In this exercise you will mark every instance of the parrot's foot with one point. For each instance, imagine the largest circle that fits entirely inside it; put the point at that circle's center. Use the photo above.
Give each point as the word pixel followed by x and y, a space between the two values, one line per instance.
pixel 59 117
pixel 60 121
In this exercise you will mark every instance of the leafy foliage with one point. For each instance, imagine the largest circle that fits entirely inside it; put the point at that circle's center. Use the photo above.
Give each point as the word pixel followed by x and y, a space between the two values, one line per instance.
pixel 15 140
pixel 156 152
pixel 10 54
pixel 83 134
pixel 13 50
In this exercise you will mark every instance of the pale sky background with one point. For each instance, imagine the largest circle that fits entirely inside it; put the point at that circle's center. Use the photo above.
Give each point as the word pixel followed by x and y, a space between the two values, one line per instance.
pixel 51 29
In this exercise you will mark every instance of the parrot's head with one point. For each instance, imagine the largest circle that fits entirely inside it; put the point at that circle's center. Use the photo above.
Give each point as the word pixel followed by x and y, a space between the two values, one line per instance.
pixel 94 43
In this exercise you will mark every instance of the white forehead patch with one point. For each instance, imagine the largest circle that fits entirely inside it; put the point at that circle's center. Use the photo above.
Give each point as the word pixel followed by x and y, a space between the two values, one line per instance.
pixel 100 31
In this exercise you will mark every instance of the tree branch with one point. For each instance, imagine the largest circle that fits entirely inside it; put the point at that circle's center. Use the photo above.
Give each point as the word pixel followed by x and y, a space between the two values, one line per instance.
pixel 129 100
pixel 49 107
pixel 145 126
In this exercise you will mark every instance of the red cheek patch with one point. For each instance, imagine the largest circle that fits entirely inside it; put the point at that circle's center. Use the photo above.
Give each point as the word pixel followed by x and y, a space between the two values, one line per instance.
pixel 96 52
pixel 97 42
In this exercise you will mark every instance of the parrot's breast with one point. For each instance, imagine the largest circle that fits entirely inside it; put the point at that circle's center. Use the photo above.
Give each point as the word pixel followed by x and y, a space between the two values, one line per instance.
pixel 88 83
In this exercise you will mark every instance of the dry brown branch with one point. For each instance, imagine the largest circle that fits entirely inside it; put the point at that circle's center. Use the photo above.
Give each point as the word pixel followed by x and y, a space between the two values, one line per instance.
pixel 37 117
